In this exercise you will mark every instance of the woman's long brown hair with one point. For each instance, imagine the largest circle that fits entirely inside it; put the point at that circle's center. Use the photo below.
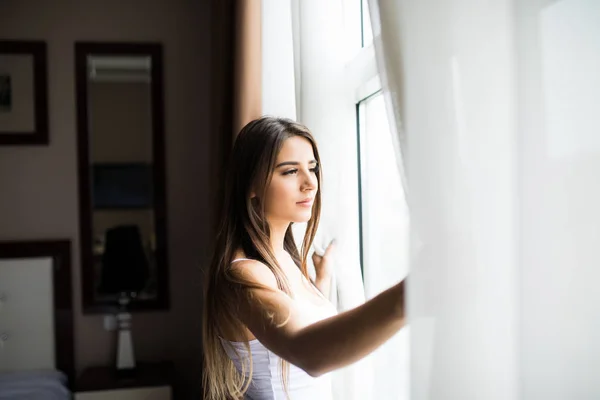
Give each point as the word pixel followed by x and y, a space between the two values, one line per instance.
pixel 244 226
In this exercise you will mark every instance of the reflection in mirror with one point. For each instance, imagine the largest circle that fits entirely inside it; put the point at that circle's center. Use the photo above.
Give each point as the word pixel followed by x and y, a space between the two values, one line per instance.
pixel 125 188
pixel 120 132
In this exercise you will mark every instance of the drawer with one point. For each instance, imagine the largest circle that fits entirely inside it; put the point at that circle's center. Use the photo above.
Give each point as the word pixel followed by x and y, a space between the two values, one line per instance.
pixel 149 393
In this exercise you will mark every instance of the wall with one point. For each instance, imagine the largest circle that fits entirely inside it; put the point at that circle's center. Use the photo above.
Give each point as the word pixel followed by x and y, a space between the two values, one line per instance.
pixel 39 197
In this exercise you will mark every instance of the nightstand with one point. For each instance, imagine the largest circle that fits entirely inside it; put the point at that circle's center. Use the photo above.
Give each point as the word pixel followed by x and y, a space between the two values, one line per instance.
pixel 151 381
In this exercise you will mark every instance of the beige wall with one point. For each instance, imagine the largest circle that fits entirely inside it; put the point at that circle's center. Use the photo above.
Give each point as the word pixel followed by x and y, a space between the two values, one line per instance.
pixel 38 185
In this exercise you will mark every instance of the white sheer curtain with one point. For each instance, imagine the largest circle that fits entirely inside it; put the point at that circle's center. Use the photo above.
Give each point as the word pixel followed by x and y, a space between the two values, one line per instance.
pixel 386 31
pixel 278 68
pixel 498 102
pixel 391 362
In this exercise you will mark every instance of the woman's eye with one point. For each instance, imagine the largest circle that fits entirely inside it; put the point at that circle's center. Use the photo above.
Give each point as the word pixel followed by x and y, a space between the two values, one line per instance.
pixel 295 171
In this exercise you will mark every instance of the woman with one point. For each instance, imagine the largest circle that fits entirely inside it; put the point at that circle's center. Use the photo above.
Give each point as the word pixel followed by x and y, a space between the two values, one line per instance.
pixel 269 332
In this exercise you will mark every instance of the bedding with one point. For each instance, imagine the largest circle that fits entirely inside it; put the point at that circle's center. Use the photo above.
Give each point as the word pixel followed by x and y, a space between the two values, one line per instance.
pixel 34 385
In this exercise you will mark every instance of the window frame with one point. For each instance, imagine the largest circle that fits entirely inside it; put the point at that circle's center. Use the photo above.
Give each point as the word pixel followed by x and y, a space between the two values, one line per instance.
pixel 359 150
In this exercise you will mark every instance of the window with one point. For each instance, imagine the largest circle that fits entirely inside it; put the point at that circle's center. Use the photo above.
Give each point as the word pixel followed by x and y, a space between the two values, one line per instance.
pixel 342 101
pixel 383 211
pixel 383 222
pixel 366 30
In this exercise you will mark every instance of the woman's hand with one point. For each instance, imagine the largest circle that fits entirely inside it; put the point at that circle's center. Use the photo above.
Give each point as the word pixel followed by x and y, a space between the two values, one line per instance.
pixel 324 268
pixel 324 264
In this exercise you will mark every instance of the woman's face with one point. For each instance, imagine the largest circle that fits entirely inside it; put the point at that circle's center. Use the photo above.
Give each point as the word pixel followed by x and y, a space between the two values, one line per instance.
pixel 290 195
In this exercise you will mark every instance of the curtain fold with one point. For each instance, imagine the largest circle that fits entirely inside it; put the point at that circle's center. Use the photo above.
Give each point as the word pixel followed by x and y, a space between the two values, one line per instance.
pixel 386 32
pixel 448 72
pixel 247 88
pixel 278 60
pixel 235 82
pixel 393 361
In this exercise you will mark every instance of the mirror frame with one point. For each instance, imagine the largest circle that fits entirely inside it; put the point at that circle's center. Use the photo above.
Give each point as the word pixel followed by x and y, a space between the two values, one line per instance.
pixel 154 50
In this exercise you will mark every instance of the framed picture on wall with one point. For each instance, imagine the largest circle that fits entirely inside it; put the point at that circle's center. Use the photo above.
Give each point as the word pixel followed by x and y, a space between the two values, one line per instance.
pixel 23 93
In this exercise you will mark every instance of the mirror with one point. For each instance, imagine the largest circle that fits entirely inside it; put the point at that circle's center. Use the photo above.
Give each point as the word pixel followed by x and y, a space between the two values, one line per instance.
pixel 121 176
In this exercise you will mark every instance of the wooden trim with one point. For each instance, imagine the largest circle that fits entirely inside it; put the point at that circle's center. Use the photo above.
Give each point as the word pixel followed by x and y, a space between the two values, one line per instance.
pixel 60 251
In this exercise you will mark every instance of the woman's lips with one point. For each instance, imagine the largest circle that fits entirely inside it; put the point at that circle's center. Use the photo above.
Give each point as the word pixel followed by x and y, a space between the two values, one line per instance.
pixel 305 203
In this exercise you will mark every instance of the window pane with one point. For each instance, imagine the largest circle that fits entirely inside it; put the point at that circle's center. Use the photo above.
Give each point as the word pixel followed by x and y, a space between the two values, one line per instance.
pixel 385 239
pixel 384 211
pixel 367 31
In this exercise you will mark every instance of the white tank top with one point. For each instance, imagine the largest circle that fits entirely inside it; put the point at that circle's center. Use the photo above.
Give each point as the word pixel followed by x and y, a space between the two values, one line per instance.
pixel 266 375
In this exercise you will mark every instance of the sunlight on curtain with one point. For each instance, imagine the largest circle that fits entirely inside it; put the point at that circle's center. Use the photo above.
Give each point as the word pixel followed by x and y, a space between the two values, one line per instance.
pixel 497 103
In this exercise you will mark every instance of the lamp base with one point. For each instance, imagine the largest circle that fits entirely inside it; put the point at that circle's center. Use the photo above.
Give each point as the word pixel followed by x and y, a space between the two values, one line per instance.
pixel 125 357
pixel 125 354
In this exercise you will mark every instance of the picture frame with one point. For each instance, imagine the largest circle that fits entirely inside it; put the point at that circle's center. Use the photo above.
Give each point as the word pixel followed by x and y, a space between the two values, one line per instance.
pixel 23 93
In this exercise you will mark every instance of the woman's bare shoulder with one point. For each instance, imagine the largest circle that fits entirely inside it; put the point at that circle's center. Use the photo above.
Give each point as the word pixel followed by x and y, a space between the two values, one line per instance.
pixel 254 271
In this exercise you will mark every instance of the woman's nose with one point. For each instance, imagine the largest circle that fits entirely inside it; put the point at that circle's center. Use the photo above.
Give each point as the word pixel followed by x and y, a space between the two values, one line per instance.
pixel 310 182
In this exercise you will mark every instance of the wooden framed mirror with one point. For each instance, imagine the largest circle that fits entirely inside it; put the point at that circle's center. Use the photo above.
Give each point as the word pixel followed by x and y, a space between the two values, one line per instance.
pixel 122 180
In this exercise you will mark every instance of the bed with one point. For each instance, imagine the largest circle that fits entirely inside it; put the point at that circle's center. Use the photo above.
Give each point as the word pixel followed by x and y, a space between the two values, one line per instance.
pixel 36 320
